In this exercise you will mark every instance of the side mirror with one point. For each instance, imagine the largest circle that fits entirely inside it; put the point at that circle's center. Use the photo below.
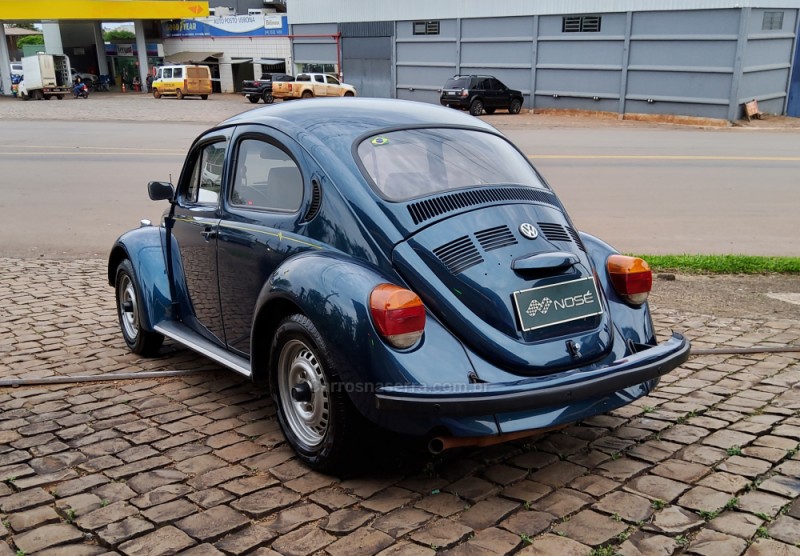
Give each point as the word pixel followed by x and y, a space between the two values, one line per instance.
pixel 160 191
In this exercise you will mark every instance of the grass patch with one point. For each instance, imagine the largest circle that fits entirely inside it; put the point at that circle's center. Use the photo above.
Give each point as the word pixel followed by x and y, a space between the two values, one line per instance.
pixel 723 264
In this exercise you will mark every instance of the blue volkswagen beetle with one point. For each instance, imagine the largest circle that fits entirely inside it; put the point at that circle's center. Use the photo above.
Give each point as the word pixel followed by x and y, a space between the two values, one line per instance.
pixel 389 262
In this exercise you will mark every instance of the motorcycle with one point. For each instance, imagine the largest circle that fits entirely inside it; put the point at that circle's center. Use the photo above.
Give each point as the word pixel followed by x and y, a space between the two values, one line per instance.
pixel 103 83
pixel 80 90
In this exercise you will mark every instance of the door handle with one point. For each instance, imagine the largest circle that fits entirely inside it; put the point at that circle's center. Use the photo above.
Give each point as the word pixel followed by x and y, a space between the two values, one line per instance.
pixel 209 233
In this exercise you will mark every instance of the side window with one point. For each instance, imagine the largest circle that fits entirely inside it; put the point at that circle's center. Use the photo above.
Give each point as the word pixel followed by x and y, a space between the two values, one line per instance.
pixel 205 182
pixel 497 86
pixel 167 73
pixel 266 178
pixel 331 80
pixel 303 77
pixel 319 79
pixel 177 73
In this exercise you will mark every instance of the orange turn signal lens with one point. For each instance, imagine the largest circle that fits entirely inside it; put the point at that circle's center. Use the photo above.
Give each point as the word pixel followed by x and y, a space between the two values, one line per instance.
pixel 631 278
pixel 398 313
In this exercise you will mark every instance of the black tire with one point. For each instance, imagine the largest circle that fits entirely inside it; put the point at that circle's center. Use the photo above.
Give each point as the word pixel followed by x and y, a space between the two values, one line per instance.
pixel 203 97
pixel 323 428
pixel 156 93
pixel 179 94
pixel 349 94
pixel 476 108
pixel 48 97
pixel 268 98
pixel 60 97
pixel 489 110
pixel 307 94
pixel 129 308
pixel 515 106
pixel 252 98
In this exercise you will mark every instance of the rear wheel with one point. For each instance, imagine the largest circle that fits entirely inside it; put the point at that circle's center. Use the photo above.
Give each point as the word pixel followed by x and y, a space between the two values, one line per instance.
pixel 179 94
pixel 314 412
pixel 476 108
pixel 307 94
pixel 156 93
pixel 252 98
pixel 515 106
pixel 129 310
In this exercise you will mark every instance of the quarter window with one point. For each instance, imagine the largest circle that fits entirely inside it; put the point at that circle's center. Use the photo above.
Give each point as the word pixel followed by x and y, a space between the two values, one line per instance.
pixel 266 178
pixel 205 182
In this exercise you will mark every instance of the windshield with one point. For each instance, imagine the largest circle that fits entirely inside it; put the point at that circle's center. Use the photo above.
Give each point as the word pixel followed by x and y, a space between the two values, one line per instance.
pixel 416 162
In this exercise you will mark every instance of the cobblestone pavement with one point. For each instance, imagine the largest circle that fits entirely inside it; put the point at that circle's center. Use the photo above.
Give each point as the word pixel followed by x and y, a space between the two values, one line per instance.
pixel 708 464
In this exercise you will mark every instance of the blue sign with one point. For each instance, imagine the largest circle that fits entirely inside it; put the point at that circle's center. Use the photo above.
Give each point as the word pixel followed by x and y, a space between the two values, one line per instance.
pixel 228 26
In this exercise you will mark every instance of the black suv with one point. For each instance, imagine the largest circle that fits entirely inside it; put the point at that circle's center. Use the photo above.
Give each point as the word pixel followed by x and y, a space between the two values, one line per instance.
pixel 478 93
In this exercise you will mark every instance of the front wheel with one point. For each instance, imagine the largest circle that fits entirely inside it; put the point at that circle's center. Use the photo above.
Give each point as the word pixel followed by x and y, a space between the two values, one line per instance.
pixel 476 108
pixel 314 412
pixel 268 98
pixel 252 98
pixel 156 93
pixel 515 106
pixel 129 310
pixel 349 94
pixel 179 94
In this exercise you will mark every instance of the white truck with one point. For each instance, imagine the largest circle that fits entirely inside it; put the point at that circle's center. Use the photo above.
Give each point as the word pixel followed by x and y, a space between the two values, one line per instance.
pixel 45 76
pixel 308 85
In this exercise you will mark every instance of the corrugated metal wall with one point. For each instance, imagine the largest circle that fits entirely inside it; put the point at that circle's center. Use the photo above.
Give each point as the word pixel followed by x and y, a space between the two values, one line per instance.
pixel 694 62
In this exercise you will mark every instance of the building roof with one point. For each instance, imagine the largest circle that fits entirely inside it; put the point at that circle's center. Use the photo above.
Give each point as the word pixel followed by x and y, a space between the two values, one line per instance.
pixel 18 31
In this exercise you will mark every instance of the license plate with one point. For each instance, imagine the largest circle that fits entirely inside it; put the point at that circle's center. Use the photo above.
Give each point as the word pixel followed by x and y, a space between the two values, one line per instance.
pixel 557 303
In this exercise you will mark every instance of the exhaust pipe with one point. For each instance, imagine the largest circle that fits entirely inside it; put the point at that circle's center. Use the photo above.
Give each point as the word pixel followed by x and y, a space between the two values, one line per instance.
pixel 439 444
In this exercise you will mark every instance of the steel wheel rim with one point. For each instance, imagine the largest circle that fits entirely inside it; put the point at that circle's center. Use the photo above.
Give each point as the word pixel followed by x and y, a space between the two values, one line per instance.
pixel 128 308
pixel 308 420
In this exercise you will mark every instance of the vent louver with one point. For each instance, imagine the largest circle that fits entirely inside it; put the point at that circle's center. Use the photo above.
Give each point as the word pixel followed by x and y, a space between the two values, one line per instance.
pixel 495 238
pixel 576 238
pixel 554 232
pixel 316 201
pixel 431 208
pixel 459 254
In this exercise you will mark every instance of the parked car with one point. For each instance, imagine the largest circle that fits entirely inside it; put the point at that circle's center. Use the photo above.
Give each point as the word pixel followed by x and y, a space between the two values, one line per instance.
pixel 479 93
pixel 16 68
pixel 261 89
pixel 88 78
pixel 392 262
pixel 309 85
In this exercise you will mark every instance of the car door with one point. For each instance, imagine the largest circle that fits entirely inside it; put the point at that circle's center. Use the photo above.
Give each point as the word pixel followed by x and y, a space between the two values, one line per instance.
pixel 334 89
pixel 261 224
pixel 501 93
pixel 196 222
pixel 493 93
pixel 320 88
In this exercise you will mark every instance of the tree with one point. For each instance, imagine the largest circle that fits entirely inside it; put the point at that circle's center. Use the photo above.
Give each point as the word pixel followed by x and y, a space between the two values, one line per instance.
pixel 28 26
pixel 118 34
pixel 30 39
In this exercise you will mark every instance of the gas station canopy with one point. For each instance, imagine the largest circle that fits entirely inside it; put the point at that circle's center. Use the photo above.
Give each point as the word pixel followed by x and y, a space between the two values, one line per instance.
pixel 102 10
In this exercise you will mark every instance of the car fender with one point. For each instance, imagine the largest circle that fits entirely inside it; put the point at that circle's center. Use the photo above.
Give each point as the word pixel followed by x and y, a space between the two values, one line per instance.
pixel 634 323
pixel 333 292
pixel 143 247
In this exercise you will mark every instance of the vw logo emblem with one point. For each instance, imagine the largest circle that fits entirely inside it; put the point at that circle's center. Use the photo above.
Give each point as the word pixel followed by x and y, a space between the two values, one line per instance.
pixel 528 230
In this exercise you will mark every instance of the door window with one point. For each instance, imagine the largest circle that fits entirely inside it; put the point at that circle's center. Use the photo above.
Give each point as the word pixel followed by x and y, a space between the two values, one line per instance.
pixel 177 73
pixel 266 178
pixel 167 73
pixel 205 181
pixel 319 79
pixel 331 80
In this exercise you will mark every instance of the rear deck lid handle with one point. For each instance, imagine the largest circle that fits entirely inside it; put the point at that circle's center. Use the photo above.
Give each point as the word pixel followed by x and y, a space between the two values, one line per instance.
pixel 545 261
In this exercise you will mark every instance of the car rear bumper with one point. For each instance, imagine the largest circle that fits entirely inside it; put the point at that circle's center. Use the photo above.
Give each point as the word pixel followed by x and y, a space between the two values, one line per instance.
pixel 560 389
pixel 456 101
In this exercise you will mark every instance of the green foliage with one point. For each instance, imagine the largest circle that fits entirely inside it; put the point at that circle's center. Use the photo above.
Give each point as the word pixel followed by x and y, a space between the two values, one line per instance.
pixel 708 515
pixel 30 39
pixel 525 538
pixel 70 515
pixel 604 551
pixel 723 264
pixel 681 540
pixel 648 409
pixel 734 450
pixel 118 35
pixel 761 533
pixel 732 503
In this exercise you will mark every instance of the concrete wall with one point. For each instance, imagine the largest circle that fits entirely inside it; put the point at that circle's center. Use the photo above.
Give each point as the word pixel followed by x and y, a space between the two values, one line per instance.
pixel 703 63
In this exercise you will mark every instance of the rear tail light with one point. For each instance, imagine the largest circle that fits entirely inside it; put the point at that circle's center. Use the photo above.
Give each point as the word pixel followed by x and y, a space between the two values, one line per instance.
pixel 290 87
pixel 631 278
pixel 398 313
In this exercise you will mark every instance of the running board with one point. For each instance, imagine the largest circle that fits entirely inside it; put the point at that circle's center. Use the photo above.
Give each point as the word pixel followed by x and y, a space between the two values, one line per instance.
pixel 194 341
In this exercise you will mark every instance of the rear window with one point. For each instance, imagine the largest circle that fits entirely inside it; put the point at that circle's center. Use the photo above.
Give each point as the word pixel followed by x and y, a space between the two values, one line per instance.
pixel 457 83
pixel 416 162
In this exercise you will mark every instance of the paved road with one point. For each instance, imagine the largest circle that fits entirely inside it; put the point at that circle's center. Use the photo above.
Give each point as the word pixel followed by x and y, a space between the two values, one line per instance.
pixel 643 188
pixel 197 465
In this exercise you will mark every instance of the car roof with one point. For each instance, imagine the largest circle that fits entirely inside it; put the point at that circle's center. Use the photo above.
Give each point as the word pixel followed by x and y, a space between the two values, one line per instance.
pixel 349 118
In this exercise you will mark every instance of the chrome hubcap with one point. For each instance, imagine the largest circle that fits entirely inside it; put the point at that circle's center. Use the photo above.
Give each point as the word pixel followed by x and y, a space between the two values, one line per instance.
pixel 128 308
pixel 304 394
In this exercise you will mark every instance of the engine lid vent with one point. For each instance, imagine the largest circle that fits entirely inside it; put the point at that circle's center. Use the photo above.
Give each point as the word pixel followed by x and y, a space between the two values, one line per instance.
pixel 459 254
pixel 576 238
pixel 495 238
pixel 431 208
pixel 554 232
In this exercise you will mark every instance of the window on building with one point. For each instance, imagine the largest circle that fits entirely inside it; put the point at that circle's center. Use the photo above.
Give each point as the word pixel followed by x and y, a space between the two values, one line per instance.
pixel 773 21
pixel 315 68
pixel 580 24
pixel 426 27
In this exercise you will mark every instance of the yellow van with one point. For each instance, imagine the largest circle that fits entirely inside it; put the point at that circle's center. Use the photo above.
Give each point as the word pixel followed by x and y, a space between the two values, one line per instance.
pixel 182 81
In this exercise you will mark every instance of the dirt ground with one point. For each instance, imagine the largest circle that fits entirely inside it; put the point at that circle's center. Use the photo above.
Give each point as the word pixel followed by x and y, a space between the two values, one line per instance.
pixel 727 295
